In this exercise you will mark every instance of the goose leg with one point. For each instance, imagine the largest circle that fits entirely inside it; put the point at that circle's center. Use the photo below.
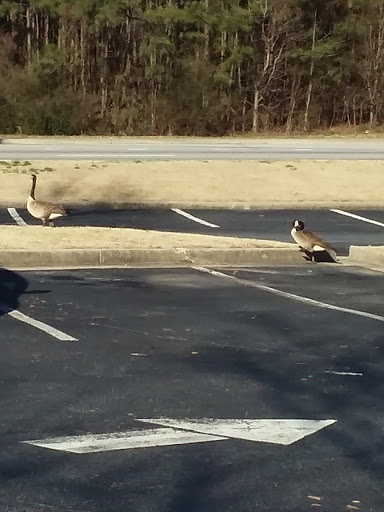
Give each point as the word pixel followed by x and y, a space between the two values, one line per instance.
pixel 312 256
pixel 44 222
pixel 309 256
pixel 51 224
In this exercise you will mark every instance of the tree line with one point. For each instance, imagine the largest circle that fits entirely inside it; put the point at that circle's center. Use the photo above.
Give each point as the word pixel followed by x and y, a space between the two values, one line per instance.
pixel 190 67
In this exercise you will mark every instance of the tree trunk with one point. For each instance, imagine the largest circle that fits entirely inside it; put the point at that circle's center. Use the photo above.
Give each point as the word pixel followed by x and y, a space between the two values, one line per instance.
pixel 36 23
pixel 206 35
pixel 104 83
pixel 292 103
pixel 83 28
pixel 29 38
pixel 310 85
pixel 255 117
pixel 46 29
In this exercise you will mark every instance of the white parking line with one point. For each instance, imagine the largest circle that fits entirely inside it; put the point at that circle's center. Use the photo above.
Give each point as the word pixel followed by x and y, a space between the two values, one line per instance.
pixel 292 296
pixel 195 219
pixel 16 217
pixel 52 331
pixel 359 217
pixel 113 155
pixel 349 374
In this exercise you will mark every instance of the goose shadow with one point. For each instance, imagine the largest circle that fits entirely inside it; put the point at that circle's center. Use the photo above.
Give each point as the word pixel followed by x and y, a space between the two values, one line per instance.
pixel 323 257
pixel 12 285
pixel 318 256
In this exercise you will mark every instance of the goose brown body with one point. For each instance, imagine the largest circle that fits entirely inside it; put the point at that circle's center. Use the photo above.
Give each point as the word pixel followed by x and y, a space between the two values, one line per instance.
pixel 310 242
pixel 43 210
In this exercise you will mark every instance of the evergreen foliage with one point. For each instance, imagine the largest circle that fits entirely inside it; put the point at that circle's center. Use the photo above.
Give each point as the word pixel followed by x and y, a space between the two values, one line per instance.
pixel 190 67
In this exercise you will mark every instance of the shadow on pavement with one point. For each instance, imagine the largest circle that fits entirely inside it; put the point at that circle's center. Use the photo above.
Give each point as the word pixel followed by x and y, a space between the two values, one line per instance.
pixel 12 285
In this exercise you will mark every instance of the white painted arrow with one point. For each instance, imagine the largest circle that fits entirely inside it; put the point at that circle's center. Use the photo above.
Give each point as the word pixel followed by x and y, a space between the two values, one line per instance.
pixel 264 431
pixel 91 443
pixel 185 432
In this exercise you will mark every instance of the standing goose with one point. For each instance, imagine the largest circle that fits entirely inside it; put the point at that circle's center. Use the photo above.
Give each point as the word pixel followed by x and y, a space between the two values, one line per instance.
pixel 309 242
pixel 42 210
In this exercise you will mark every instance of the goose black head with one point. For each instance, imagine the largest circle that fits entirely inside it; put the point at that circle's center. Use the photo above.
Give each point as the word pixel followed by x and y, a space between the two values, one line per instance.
pixel 298 225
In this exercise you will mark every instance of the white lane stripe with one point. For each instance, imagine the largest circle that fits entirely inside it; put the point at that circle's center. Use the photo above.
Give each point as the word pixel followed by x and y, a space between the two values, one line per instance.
pixel 358 217
pixel 292 296
pixel 16 217
pixel 352 374
pixel 112 155
pixel 92 443
pixel 52 331
pixel 107 146
pixel 192 217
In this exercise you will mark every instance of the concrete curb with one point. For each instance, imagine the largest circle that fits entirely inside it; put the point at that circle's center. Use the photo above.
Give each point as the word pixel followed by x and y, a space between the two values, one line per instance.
pixel 76 258
pixel 368 255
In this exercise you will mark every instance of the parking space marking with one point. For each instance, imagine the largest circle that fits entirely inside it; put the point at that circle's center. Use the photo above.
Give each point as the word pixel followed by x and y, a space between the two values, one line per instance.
pixel 52 331
pixel 16 217
pixel 358 217
pixel 179 431
pixel 292 296
pixel 349 374
pixel 195 219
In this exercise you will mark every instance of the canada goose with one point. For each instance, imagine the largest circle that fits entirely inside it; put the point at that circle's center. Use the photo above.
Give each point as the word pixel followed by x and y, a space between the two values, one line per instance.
pixel 41 209
pixel 309 242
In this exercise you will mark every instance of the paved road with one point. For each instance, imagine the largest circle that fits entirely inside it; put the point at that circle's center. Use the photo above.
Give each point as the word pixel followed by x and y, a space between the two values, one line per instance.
pixel 339 230
pixel 185 344
pixel 206 149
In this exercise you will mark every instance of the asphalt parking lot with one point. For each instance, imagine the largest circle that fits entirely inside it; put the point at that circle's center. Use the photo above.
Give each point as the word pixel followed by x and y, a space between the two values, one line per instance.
pixel 244 344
